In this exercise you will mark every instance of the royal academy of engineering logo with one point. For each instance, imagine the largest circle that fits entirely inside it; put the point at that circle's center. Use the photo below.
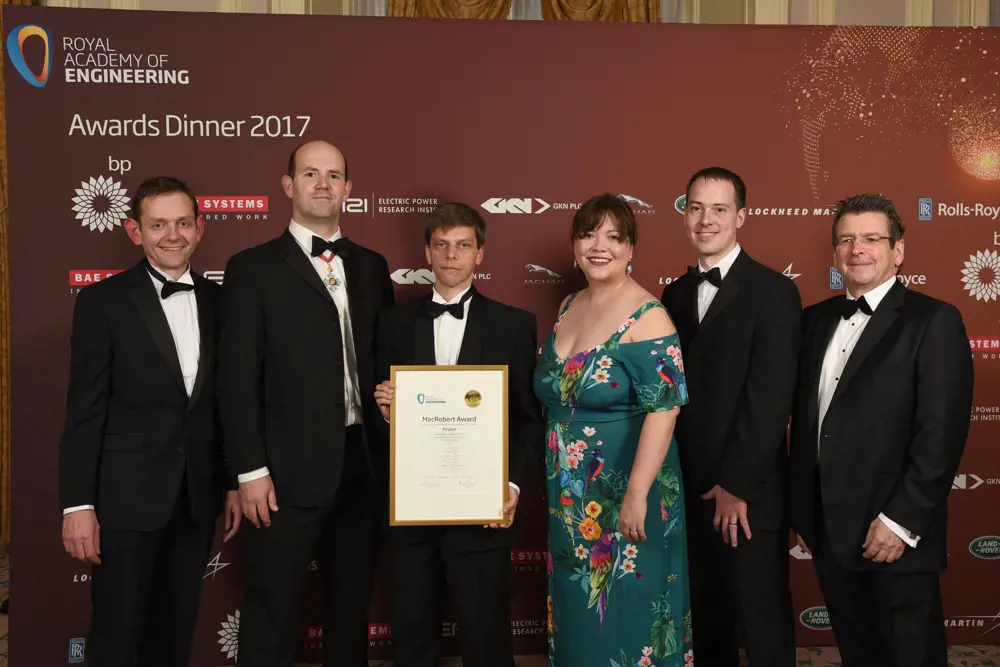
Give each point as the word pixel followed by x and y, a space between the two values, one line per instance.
pixel 16 41
pixel 229 635
pixel 101 204
pixel 815 618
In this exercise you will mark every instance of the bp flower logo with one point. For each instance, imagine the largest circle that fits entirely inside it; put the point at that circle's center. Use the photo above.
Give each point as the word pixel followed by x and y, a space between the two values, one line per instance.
pixel 981 275
pixel 229 635
pixel 101 204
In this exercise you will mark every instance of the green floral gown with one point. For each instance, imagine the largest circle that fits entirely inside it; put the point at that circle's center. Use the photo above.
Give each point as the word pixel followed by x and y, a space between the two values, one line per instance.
pixel 612 602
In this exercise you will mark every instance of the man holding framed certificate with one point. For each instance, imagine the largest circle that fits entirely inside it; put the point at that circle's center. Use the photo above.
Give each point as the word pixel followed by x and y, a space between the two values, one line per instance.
pixel 465 429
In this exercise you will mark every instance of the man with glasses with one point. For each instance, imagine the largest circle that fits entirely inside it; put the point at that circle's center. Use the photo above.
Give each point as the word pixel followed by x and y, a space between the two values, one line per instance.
pixel 879 427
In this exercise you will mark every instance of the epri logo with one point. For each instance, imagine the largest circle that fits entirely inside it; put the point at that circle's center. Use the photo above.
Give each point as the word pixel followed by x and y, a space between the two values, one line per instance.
pixel 229 635
pixel 16 39
pixel 101 203
pixel 815 618
pixel 981 275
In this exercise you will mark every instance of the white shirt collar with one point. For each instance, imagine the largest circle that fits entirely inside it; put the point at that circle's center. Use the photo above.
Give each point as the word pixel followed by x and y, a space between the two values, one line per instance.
pixel 875 295
pixel 437 298
pixel 725 263
pixel 186 277
pixel 304 236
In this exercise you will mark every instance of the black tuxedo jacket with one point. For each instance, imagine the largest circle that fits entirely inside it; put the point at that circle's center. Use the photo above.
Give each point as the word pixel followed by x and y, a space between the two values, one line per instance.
pixel 895 430
pixel 496 334
pixel 740 364
pixel 131 430
pixel 281 368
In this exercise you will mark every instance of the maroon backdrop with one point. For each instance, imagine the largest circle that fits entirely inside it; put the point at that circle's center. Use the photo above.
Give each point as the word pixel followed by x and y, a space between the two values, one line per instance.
pixel 525 120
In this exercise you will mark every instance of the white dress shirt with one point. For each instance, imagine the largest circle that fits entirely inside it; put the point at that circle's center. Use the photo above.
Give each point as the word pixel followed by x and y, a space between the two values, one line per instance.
pixel 706 290
pixel 449 332
pixel 181 310
pixel 352 397
pixel 845 337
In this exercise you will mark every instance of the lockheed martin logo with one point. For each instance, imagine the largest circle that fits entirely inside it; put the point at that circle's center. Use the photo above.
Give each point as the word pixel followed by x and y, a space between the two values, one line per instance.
pixel 788 272
pixel 515 205
pixel 215 566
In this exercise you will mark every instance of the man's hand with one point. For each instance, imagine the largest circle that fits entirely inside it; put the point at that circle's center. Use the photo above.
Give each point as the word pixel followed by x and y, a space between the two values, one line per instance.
pixel 730 514
pixel 234 515
pixel 508 509
pixel 81 535
pixel 881 544
pixel 383 397
pixel 256 498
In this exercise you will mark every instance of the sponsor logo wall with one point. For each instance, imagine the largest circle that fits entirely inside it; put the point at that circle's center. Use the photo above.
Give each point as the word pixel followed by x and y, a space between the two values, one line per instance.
pixel 117 100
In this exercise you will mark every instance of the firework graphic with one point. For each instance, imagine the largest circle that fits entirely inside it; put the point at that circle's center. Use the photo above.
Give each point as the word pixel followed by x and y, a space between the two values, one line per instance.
pixel 101 204
pixel 981 275
pixel 883 84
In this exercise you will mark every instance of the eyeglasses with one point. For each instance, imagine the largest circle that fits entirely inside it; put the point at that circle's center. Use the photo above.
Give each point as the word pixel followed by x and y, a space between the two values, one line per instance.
pixel 870 239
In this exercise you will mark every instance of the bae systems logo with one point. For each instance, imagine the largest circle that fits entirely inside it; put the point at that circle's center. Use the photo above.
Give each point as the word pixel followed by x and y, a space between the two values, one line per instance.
pixel 101 204
pixel 16 40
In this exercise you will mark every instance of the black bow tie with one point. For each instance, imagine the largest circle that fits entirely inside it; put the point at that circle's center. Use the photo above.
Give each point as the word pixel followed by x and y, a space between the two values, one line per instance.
pixel 457 310
pixel 169 286
pixel 714 276
pixel 338 247
pixel 849 307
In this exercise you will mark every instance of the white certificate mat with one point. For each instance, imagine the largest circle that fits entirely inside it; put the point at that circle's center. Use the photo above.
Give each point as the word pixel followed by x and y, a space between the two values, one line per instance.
pixel 448 445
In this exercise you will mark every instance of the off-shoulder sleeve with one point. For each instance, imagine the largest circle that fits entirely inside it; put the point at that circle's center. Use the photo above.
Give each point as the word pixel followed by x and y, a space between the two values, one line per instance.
pixel 656 371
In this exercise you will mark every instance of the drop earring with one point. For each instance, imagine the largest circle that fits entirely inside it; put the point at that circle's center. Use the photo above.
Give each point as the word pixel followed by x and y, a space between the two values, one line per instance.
pixel 629 269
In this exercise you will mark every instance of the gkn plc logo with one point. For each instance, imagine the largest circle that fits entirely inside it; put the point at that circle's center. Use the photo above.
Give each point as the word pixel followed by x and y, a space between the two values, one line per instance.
pixel 516 205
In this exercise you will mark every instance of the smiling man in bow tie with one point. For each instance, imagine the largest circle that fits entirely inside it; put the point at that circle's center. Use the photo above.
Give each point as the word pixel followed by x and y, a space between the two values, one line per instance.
pixel 141 471
pixel 296 383
pixel 738 322
pixel 455 324
pixel 881 417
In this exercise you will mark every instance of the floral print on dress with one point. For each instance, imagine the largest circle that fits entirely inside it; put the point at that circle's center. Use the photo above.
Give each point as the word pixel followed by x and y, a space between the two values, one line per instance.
pixel 611 601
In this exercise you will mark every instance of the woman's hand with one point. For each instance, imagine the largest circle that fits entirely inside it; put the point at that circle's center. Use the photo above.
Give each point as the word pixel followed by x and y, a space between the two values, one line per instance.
pixel 632 518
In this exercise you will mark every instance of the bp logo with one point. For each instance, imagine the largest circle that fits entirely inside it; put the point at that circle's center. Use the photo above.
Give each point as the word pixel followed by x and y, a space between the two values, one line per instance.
pixel 815 618
pixel 986 547
pixel 680 203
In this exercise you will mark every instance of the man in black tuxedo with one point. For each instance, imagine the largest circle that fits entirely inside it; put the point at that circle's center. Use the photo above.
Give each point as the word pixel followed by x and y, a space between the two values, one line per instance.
pixel 879 428
pixel 296 390
pixel 455 324
pixel 738 322
pixel 141 472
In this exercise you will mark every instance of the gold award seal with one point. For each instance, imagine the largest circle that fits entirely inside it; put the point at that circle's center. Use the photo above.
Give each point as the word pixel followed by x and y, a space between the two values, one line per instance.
pixel 473 398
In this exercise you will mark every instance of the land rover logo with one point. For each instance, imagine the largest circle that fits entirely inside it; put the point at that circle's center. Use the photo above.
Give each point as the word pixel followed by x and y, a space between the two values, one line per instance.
pixel 815 618
pixel 986 547
pixel 680 203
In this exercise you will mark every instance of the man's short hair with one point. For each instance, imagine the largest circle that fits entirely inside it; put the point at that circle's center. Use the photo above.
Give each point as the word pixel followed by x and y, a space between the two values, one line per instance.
pixel 870 204
pixel 158 186
pixel 455 214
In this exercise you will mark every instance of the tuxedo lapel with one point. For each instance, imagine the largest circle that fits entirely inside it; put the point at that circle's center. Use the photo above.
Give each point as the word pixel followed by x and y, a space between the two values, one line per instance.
pixel 821 340
pixel 146 300
pixel 298 260
pixel 423 336
pixel 729 290
pixel 884 317
pixel 471 352
pixel 686 315
pixel 206 350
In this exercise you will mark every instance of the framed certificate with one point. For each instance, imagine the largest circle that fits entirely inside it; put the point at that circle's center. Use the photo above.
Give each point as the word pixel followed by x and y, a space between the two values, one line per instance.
pixel 448 445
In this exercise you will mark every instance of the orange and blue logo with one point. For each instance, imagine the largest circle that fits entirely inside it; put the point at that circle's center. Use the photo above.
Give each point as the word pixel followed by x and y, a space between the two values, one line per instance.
pixel 15 48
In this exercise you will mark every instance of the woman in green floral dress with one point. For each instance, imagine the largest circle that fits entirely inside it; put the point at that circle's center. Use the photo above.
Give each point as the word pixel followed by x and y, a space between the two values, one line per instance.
pixel 617 564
